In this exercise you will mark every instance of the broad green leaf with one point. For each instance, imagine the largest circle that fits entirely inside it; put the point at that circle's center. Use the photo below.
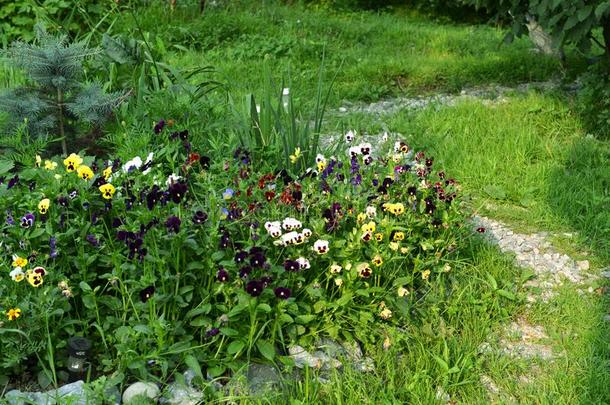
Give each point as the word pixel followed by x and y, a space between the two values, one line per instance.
pixel 235 346
pixel 266 349
pixel 193 364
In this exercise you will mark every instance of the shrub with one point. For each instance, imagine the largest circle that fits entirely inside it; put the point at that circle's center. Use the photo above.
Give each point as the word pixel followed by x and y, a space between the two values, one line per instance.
pixel 217 256
pixel 58 96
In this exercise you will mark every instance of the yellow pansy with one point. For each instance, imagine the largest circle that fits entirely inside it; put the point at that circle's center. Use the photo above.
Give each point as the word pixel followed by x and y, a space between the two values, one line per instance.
pixel 84 172
pixel 72 162
pixel 107 191
pixel 19 261
pixel 377 260
pixel 107 172
pixel 43 206
pixel 369 228
pixel 38 160
pixel 50 165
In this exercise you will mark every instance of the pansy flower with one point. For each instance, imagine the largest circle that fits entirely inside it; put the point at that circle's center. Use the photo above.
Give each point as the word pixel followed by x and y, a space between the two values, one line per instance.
pixel 222 275
pixel 282 293
pixel 481 229
pixel 257 259
pixel 27 220
pixel 255 288
pixel 364 270
pixel 245 271
pixel 365 148
pixel 335 268
pixel 212 332
pixel 43 206
pixel 228 194
pixel 13 314
pixel 321 247
pixel 266 280
pixel 385 313
pixel 377 260
pixel 291 224
pixel 19 261
pixel 147 293
pixel 199 217
pixel 397 236
pixel 159 127
pixel 84 172
pixel 240 257
pixel 304 263
pixel 173 224
pixel 177 190
pixel 50 165
pixel 369 227
pixel 291 265
pixel 107 191
pixel 72 162
pixel 320 162
pixel 17 274
pixel 350 136
pixel 35 276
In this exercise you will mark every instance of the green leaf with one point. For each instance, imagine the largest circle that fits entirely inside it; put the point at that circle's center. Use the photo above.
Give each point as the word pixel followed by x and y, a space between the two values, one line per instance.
pixel 263 308
pixel 216 256
pixel 600 11
pixel 305 319
pixel 266 349
pixel 507 294
pixel 5 166
pixel 584 13
pixel 229 332
pixel 345 298
pixel 193 364
pixel 200 321
pixel 235 346
pixel 143 329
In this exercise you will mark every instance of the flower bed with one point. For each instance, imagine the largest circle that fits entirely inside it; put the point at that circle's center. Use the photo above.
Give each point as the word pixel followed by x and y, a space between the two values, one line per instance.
pixel 216 259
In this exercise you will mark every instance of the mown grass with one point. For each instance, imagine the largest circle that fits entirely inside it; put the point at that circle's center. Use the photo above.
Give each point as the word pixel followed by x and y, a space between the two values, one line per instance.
pixel 375 55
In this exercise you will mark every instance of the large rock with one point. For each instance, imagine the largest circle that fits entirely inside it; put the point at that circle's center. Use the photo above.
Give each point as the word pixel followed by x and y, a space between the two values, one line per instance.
pixel 141 391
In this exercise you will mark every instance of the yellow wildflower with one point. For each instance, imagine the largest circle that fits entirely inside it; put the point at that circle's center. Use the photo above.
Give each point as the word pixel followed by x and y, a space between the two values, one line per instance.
pixel 13 314
pixel 296 155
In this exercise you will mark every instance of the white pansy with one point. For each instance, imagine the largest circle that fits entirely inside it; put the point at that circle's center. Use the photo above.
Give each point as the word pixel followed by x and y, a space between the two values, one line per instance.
pixel 370 211
pixel 133 164
pixel 171 179
pixel 303 263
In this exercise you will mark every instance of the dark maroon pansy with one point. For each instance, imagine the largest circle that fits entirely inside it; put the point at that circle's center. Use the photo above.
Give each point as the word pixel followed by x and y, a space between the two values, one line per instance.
pixel 291 265
pixel 245 271
pixel 282 293
pixel 147 293
pixel 199 217
pixel 159 126
pixel 255 288
pixel 240 256
pixel 173 224
pixel 481 229
pixel 222 275
pixel 257 260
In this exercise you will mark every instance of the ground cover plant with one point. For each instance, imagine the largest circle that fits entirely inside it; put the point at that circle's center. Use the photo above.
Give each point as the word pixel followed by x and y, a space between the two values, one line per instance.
pixel 264 259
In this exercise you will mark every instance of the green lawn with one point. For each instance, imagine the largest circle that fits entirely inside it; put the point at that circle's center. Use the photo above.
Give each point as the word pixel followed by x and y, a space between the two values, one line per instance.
pixel 375 55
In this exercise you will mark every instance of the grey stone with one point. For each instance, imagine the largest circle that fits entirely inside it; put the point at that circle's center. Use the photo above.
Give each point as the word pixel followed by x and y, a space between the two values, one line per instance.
pixel 73 393
pixel 141 390
pixel 583 265
pixel 262 377
pixel 181 394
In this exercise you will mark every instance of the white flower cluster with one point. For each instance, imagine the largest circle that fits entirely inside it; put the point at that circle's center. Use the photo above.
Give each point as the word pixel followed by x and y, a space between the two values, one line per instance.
pixel 292 236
